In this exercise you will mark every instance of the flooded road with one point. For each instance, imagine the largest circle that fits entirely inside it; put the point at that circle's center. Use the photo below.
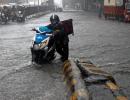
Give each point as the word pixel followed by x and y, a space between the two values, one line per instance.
pixel 104 42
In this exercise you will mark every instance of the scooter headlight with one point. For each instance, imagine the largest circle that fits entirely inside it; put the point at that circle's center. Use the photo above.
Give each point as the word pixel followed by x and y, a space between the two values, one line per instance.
pixel 38 38
pixel 3 14
pixel 19 12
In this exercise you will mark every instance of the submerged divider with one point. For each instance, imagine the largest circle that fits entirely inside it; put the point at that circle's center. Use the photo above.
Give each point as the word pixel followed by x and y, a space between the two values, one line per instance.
pixel 74 81
pixel 79 74
pixel 90 70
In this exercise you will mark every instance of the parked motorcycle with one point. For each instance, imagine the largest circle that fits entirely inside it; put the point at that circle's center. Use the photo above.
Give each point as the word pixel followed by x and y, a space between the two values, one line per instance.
pixel 3 18
pixel 20 17
pixel 39 49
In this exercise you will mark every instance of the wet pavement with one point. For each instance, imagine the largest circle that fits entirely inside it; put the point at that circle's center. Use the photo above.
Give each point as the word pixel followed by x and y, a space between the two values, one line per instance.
pixel 105 42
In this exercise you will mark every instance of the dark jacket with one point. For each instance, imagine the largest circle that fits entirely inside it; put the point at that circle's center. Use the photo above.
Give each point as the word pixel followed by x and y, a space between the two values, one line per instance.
pixel 58 32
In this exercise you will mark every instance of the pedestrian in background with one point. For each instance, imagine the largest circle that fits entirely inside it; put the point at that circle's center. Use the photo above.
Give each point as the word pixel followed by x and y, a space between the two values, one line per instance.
pixel 100 10
pixel 13 13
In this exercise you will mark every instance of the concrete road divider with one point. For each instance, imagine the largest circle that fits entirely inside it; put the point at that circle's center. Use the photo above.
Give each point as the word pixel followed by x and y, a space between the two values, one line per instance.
pixel 116 91
pixel 94 75
pixel 79 74
pixel 73 78
pixel 37 14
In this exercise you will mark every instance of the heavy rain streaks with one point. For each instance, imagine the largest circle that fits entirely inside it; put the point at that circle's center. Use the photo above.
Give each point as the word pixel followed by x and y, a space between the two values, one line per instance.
pixel 104 42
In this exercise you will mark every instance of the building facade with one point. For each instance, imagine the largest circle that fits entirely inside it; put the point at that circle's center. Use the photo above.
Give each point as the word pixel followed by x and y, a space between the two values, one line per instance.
pixel 18 1
pixel 82 4
pixel 2 2
pixel 92 5
pixel 73 4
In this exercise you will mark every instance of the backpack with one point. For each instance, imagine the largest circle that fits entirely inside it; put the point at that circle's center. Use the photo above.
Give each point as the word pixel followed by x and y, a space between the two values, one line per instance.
pixel 68 26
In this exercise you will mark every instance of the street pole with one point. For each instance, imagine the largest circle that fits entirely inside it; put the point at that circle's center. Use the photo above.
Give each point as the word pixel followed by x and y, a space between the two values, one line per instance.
pixel 38 2
pixel 1 2
pixel 38 5
pixel 34 2
pixel 27 1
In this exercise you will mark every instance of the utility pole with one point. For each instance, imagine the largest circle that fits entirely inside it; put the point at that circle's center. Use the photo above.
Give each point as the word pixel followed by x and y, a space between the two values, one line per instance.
pixel 0 2
pixel 51 4
pixel 38 2
pixel 34 2
pixel 86 3
pixel 27 1
pixel 38 5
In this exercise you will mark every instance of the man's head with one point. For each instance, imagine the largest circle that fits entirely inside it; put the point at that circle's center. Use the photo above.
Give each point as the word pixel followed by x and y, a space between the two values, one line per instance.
pixel 54 19
pixel 5 7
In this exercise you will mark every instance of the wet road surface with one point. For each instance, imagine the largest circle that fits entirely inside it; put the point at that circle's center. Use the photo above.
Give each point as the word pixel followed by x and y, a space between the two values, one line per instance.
pixel 105 43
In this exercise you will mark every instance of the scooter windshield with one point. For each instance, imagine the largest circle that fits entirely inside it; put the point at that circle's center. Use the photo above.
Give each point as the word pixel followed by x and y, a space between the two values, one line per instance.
pixel 40 37
pixel 44 29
